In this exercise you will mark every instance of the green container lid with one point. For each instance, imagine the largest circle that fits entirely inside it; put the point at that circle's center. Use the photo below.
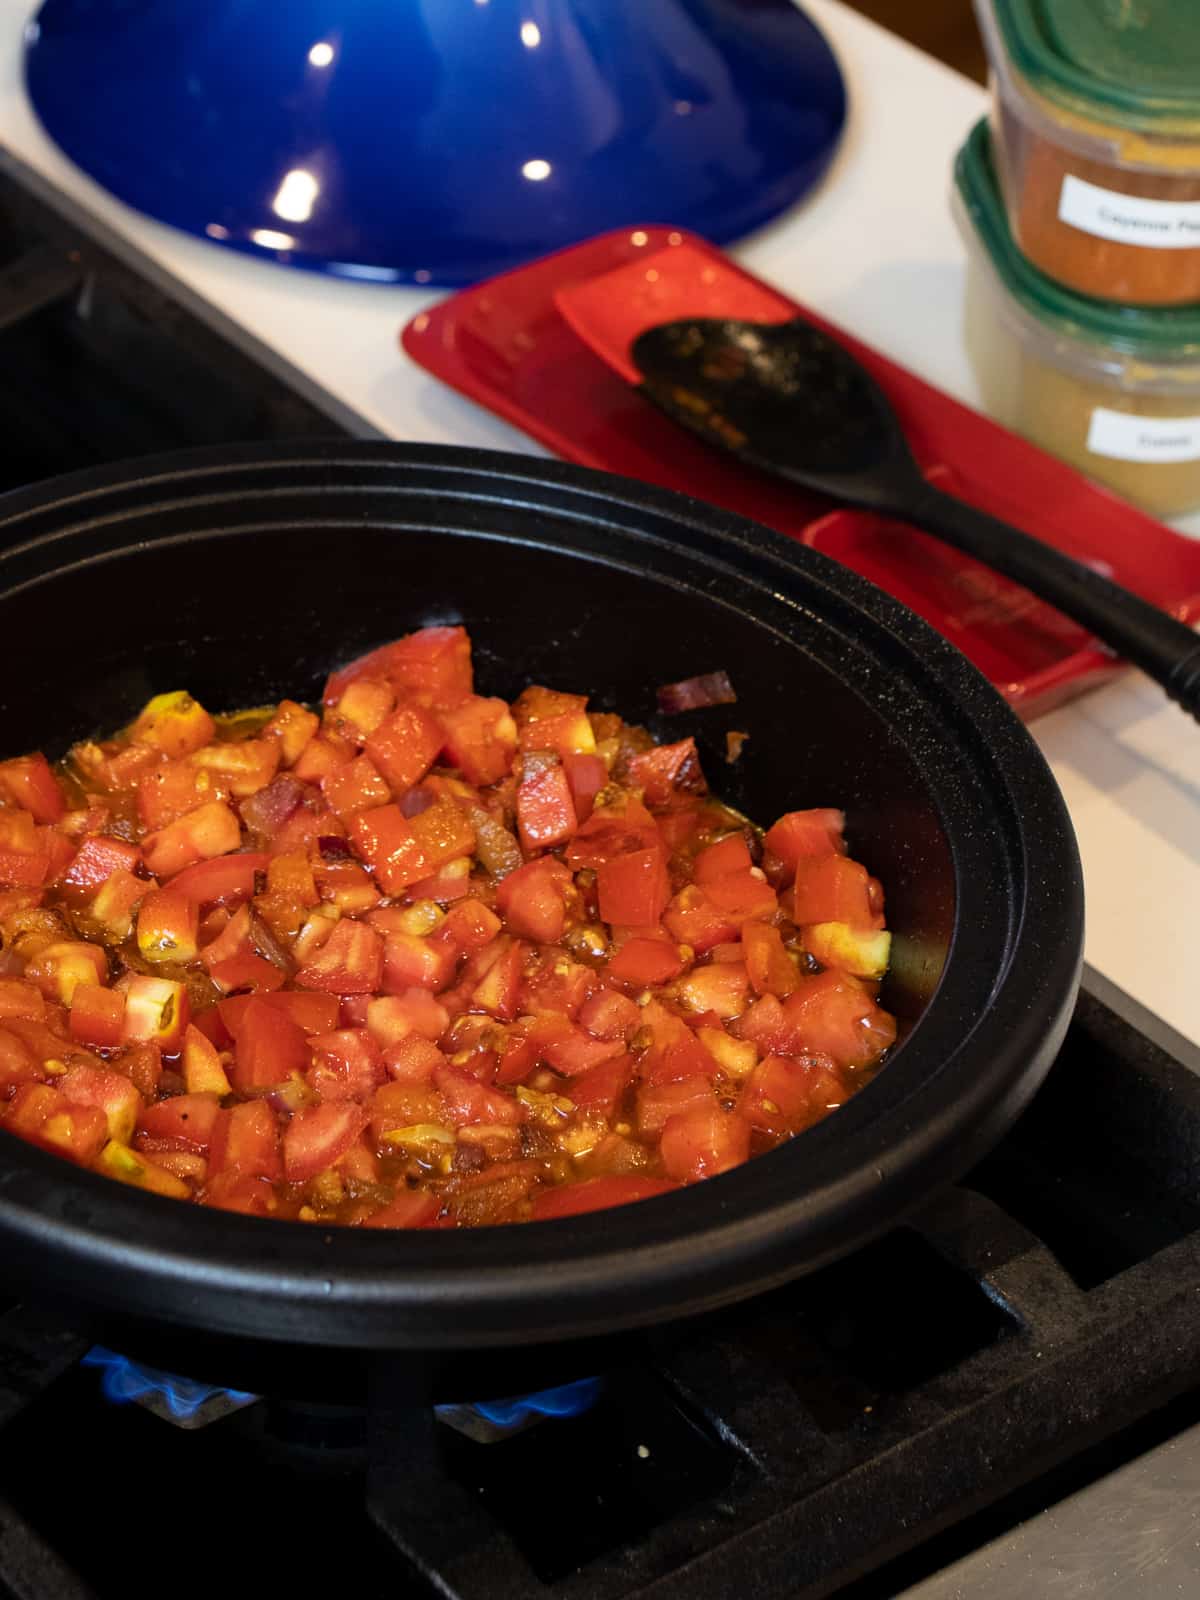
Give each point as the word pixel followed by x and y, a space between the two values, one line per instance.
pixel 1163 335
pixel 1132 62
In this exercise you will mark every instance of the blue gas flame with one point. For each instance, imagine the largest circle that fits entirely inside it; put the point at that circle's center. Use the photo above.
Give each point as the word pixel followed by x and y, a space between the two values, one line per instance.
pixel 568 1400
pixel 125 1380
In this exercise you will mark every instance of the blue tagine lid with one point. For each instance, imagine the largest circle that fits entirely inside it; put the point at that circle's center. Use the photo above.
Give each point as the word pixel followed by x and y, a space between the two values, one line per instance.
pixel 437 141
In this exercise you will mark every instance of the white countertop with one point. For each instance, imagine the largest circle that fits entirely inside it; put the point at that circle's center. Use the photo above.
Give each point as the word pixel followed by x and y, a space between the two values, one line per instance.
pixel 874 249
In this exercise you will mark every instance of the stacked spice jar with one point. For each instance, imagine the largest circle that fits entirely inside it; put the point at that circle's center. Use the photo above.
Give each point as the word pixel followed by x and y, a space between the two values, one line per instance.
pixel 1080 205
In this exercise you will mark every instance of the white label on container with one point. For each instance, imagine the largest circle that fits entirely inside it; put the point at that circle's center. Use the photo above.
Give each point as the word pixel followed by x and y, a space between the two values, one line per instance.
pixel 1125 437
pixel 1159 224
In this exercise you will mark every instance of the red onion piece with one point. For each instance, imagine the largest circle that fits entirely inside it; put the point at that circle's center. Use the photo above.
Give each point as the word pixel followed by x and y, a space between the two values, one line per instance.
pixel 709 689
pixel 416 800
pixel 269 809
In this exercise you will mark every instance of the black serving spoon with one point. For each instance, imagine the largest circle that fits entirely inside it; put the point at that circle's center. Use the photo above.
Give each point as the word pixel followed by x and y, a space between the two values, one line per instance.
pixel 790 400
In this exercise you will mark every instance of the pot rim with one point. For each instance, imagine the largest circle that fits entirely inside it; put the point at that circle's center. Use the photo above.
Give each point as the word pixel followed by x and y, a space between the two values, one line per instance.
pixel 970 1065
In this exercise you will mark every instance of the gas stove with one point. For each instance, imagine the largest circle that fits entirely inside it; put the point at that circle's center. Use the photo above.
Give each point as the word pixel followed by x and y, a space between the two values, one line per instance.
pixel 864 1431
pixel 1022 1335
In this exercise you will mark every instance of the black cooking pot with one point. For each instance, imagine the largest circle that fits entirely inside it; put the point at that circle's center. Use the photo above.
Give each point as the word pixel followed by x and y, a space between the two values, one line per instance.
pixel 244 575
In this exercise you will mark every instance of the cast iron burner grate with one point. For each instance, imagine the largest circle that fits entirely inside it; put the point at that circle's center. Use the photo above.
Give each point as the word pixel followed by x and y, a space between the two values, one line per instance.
pixel 785 1447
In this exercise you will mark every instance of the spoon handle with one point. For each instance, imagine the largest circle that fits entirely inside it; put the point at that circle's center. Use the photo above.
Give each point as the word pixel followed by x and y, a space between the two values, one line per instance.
pixel 1164 648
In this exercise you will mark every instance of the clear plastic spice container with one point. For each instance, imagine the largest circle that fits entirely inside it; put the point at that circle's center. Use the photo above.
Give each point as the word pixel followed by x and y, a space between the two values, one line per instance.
pixel 1114 390
pixel 1098 141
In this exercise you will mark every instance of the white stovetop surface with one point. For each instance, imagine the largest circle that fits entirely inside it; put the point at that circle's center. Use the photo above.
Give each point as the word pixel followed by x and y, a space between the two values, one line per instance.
pixel 875 250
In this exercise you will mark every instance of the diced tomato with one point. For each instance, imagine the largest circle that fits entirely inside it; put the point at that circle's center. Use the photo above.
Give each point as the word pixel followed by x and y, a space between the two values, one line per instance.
pixel 405 746
pixel 345 885
pixel 665 768
pixel 24 856
pixel 610 833
pixel 560 987
pixel 643 963
pixel 786 1093
pixel 730 854
pixel 741 895
pixel 117 899
pixel 97 1016
pixel 450 882
pixel 356 786
pixel 78 1132
pixel 223 881
pixel 769 967
pixel 693 919
pixel 29 1108
pixel 801 834
pixel 569 1049
pixel 349 962
pixel 657 1102
pixel 366 703
pixel 835 1015
pixel 167 926
pixel 203 1070
pixel 246 971
pixel 18 1064
pixel 606 1014
pixel 394 1017
pixel 432 667
pixel 598 1091
pixel 498 991
pixel 209 830
pixel 97 859
pixel 322 757
pixel 410 961
pixel 186 1121
pixel 586 775
pixel 59 969
pixel 545 810
pixel 290 879
pixel 412 1059
pixel 314 1140
pixel 676 1053
pixel 832 888
pixel 245 1139
pixel 596 1194
pixel 20 999
pixel 313 1012
pixel 231 1191
pixel 703 1142
pixel 467 1100
pixel 347 1065
pixel 404 1105
pixel 243 767
pixel 633 888
pixel 142 1064
pixel 270 1047
pixel 111 1091
pixel 411 1208
pixel 29 783
pixel 156 1009
pixel 168 790
pixel 173 723
pixel 533 900
pixel 470 925
pixel 444 832
pixel 293 726
pixel 722 987
pixel 480 739
pixel 384 838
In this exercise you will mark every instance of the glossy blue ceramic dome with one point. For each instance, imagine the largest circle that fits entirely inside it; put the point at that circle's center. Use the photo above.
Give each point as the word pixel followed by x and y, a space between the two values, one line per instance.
pixel 437 141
